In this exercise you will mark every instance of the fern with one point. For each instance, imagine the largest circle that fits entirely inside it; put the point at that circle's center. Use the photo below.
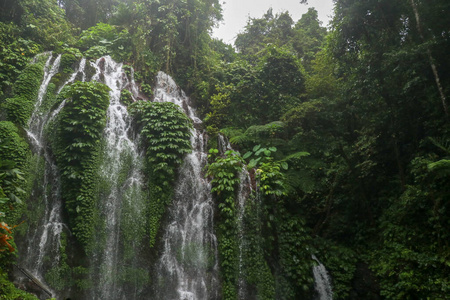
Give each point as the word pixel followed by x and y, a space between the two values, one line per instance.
pixel 231 131
pixel 441 143
pixel 300 180
pixel 296 155
pixel 240 139
pixel 442 167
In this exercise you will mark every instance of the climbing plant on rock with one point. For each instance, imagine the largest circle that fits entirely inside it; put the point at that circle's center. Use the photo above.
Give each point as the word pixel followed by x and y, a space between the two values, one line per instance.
pixel 166 133
pixel 77 149
pixel 14 156
pixel 25 91
pixel 225 178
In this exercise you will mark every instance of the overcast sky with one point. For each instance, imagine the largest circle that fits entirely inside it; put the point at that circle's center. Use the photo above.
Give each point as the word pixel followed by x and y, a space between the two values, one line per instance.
pixel 236 13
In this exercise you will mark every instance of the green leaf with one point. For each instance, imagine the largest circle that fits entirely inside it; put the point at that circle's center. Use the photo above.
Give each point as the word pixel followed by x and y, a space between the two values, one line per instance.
pixel 247 155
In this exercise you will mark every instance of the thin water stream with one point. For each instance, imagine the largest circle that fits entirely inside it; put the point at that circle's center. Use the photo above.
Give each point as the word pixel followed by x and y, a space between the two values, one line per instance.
pixel 44 236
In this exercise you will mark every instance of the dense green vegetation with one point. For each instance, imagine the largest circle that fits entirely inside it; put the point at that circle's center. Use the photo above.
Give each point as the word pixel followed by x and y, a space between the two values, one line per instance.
pixel 166 138
pixel 225 173
pixel 77 149
pixel 345 132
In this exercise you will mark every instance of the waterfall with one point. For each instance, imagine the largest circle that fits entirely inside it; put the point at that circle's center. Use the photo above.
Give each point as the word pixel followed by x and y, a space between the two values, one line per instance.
pixel 116 264
pixel 43 239
pixel 188 267
pixel 117 270
pixel 46 235
pixel 322 282
pixel 118 261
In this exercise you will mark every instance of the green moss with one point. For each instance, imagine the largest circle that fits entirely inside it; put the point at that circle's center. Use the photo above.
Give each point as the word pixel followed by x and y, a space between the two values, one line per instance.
pixel 294 257
pixel 60 276
pixel 63 276
pixel 257 273
pixel 16 147
pixel 80 273
pixel 132 221
pixel 139 277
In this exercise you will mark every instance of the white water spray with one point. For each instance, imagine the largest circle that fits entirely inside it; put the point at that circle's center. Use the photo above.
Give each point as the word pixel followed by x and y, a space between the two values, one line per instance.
pixel 322 282
pixel 188 267
pixel 44 239
pixel 108 263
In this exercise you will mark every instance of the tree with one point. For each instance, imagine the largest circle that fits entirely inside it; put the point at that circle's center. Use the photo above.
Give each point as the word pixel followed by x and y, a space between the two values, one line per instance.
pixel 308 37
pixel 259 33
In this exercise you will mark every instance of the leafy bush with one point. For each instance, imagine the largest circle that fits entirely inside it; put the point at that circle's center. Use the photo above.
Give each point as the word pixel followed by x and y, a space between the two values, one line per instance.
pixel 414 231
pixel 295 258
pixel 103 39
pixel 46 23
pixel 95 34
pixel 67 62
pixel 15 55
pixel 20 107
pixel 14 157
pixel 126 97
pixel 10 292
pixel 96 51
pixel 14 154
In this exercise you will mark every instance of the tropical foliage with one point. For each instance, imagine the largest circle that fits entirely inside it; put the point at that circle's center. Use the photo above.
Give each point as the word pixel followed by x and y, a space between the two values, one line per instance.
pixel 77 148
pixel 166 138
pixel 344 132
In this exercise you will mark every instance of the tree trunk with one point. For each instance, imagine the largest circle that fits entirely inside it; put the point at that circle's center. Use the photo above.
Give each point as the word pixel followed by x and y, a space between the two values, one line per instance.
pixel 430 58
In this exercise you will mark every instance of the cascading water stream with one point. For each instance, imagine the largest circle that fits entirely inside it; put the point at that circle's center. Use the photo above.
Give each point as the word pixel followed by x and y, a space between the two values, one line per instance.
pixel 188 267
pixel 322 282
pixel 122 202
pixel 38 119
pixel 118 265
pixel 44 238
pixel 80 70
